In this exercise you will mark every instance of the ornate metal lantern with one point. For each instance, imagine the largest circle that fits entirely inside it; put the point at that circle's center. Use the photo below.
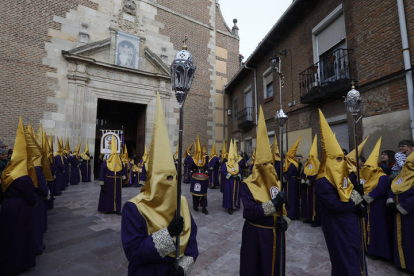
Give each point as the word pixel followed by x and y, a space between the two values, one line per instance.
pixel 282 117
pixel 353 101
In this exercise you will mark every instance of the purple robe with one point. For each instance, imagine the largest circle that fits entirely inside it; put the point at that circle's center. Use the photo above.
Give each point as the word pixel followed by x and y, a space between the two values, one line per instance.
pixel 74 172
pixel 40 212
pixel 59 175
pixel 379 227
pixel 198 201
pixel 86 170
pixel 292 192
pixel 140 249
pixel 187 172
pixel 214 166
pixel 242 167
pixel 406 223
pixel 222 178
pixel 111 199
pixel 341 230
pixel 260 246
pixel 309 204
pixel 277 168
pixel 66 174
pixel 17 236
pixel 51 185
pixel 251 169
pixel 231 190
pixel 135 179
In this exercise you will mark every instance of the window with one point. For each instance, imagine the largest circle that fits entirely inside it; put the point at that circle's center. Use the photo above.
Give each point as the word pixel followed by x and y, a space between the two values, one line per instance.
pixel 268 83
pixel 235 108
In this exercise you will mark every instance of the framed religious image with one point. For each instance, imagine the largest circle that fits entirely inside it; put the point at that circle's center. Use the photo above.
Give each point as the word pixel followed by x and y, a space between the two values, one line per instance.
pixel 106 141
pixel 127 50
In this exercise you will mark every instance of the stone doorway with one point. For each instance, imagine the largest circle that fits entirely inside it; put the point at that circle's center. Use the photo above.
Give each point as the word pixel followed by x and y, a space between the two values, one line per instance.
pixel 117 115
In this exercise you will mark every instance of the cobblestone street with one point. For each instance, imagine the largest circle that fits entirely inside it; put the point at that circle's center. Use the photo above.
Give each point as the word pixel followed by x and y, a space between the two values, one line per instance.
pixel 81 241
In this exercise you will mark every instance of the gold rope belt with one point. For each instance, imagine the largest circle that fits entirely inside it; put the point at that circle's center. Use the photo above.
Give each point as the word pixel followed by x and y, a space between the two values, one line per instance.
pixel 261 226
pixel 112 176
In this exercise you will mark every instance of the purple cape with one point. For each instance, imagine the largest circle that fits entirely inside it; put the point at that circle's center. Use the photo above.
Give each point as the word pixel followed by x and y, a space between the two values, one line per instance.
pixel 86 170
pixel 59 175
pixel 17 237
pixel 214 166
pixel 140 249
pixel 341 230
pixel 231 190
pixel 260 246
pixel 292 192
pixel 74 172
pixel 111 199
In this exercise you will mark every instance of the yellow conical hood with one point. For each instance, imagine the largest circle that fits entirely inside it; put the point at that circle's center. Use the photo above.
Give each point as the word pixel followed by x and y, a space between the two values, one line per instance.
pixel 114 162
pixel 85 152
pixel 312 165
pixel 213 152
pixel 157 201
pixel 371 173
pixel 125 158
pixel 77 150
pixel 30 129
pixel 59 149
pixel 66 150
pixel 188 151
pixel 39 135
pixel 275 151
pixel 224 154
pixel 333 165
pixel 405 180
pixel 232 166
pixel 34 156
pixel 204 150
pixel 51 156
pixel 290 156
pixel 263 183
pixel 17 167
pixel 45 159
pixel 350 158
pixel 198 156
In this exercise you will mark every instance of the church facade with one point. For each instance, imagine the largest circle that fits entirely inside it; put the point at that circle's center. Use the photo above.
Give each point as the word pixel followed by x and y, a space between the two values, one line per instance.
pixel 85 65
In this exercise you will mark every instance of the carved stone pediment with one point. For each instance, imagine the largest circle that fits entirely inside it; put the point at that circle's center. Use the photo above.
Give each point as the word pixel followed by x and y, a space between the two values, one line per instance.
pixel 129 7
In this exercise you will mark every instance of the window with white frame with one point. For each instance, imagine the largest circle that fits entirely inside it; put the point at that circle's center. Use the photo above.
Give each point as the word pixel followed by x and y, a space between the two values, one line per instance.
pixel 235 108
pixel 268 83
pixel 329 47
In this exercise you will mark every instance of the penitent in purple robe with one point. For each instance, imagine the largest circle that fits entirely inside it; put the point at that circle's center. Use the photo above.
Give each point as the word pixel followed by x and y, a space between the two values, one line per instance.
pixel 231 190
pixel 17 250
pixel 199 198
pixel 404 223
pixel 260 247
pixel 51 185
pixel 292 192
pixel 341 230
pixel 308 203
pixel 59 175
pixel 379 226
pixel 277 168
pixel 66 174
pixel 187 171
pixel 86 170
pixel 111 199
pixel 140 249
pixel 214 172
pixel 74 172
pixel 40 212
pixel 222 178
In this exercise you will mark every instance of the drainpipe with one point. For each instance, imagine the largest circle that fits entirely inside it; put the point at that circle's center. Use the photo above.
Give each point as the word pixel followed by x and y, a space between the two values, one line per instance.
pixel 407 61
pixel 224 112
pixel 255 91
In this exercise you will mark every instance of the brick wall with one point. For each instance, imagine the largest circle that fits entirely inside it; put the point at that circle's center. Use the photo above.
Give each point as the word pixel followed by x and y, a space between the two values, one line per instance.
pixel 374 34
pixel 24 84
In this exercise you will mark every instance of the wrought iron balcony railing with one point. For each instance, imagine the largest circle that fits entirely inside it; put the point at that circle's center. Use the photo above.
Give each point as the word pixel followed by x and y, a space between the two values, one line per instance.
pixel 245 118
pixel 326 78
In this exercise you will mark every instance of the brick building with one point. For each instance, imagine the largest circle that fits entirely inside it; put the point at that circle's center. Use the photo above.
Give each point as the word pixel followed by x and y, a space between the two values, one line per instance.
pixel 324 46
pixel 79 66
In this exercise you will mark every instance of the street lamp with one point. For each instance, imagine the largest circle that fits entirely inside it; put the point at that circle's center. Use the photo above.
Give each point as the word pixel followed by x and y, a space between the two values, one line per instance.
pixel 282 118
pixel 353 101
pixel 182 74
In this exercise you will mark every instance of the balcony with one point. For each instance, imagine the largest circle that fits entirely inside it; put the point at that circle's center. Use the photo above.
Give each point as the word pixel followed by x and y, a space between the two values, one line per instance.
pixel 245 118
pixel 327 79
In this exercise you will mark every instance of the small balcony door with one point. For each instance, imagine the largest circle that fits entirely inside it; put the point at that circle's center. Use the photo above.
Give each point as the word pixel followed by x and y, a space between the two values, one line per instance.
pixel 248 104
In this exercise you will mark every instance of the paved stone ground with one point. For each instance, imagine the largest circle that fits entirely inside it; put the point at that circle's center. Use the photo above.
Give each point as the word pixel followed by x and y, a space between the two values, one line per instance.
pixel 81 241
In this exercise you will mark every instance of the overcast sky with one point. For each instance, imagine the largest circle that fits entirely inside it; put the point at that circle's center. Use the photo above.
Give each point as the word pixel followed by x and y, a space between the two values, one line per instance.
pixel 255 19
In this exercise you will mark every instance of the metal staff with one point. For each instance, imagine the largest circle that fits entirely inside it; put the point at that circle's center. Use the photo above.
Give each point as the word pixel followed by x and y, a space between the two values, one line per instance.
pixel 282 117
pixel 182 74
pixel 353 102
